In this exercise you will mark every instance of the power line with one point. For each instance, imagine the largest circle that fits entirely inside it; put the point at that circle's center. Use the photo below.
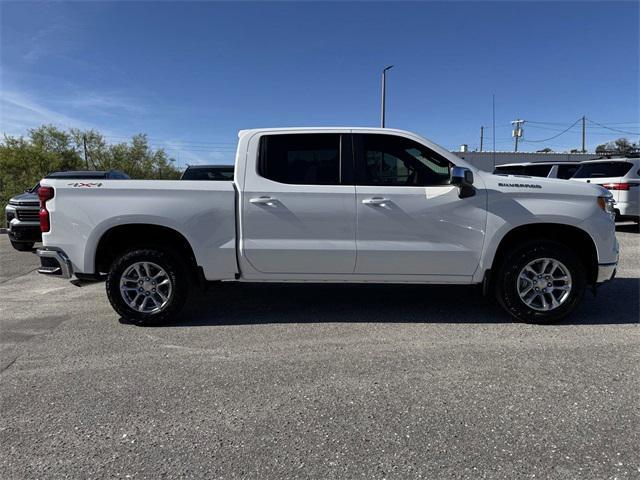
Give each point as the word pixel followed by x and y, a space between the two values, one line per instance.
pixel 555 136
pixel 612 129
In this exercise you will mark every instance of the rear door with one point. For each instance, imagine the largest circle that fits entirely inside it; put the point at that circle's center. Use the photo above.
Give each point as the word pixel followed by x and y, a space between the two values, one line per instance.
pixel 298 205
pixel 410 220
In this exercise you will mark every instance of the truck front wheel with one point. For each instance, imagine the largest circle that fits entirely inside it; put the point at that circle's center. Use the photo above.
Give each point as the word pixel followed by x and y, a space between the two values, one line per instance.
pixel 540 282
pixel 147 286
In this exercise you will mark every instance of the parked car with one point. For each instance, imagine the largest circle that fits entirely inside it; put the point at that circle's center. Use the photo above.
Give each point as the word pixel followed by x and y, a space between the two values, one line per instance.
pixel 619 175
pixel 564 170
pixel 364 205
pixel 21 212
pixel 208 172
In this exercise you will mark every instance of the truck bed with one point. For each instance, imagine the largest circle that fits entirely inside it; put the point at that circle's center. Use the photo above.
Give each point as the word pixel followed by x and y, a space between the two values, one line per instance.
pixel 83 211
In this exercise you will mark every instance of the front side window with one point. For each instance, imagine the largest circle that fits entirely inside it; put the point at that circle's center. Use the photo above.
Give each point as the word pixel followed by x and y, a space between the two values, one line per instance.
pixel 302 159
pixel 603 169
pixel 387 160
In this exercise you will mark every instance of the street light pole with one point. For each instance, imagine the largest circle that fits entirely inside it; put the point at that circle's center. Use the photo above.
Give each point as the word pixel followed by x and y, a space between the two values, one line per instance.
pixel 384 93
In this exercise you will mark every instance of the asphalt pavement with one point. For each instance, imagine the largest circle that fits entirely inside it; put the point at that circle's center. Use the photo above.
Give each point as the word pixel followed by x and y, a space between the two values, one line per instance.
pixel 317 381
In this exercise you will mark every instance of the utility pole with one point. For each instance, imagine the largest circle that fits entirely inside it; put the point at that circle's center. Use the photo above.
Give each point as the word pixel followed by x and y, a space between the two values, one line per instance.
pixel 384 93
pixel 481 137
pixel 517 131
pixel 584 134
pixel 86 157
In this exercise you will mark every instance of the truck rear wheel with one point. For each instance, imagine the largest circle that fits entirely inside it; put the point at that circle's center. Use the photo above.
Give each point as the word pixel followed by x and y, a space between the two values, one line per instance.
pixel 147 286
pixel 540 282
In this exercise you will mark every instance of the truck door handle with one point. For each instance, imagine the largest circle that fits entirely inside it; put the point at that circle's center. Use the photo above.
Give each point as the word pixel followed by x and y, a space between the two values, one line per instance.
pixel 263 201
pixel 377 201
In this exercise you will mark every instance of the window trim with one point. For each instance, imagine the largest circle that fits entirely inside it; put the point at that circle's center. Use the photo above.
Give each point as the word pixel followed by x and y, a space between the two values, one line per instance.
pixel 360 161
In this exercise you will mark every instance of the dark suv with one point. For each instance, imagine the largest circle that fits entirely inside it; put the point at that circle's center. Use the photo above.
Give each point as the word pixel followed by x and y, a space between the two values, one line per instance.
pixel 208 172
pixel 22 211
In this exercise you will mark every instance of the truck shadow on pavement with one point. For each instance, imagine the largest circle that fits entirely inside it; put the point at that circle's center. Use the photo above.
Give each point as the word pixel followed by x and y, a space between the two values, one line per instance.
pixel 617 302
pixel 628 227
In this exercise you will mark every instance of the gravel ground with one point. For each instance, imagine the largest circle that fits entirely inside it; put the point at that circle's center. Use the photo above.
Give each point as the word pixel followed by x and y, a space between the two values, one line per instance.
pixel 327 381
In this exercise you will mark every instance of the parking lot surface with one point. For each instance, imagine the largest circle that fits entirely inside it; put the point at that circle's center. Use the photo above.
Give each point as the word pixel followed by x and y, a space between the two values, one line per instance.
pixel 317 381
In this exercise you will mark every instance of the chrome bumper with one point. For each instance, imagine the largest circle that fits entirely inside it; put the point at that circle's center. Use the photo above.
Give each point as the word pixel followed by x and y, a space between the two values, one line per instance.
pixel 606 272
pixel 54 262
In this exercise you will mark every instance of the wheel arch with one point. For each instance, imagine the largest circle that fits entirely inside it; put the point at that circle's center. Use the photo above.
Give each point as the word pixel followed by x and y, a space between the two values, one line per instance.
pixel 574 237
pixel 121 238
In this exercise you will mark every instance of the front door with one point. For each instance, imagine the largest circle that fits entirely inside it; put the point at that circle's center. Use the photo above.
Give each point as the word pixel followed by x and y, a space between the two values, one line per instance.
pixel 298 205
pixel 410 220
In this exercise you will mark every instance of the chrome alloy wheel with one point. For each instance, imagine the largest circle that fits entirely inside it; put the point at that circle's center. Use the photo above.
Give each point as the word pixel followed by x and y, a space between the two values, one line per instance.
pixel 146 287
pixel 544 284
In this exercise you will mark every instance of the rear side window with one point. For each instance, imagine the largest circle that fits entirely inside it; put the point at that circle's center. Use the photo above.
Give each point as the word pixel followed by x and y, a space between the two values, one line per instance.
pixel 301 159
pixel 510 170
pixel 537 170
pixel 567 171
pixel 388 160
pixel 603 169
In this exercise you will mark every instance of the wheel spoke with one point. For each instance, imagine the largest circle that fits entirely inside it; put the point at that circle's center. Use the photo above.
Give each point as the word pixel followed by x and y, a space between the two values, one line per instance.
pixel 545 264
pixel 155 302
pixel 524 292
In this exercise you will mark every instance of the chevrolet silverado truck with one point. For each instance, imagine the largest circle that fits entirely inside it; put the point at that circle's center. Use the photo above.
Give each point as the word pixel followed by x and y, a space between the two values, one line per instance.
pixel 318 205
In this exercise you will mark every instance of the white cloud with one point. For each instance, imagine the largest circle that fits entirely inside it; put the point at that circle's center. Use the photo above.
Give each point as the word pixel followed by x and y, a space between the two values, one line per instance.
pixel 19 112
pixel 102 102
pixel 40 45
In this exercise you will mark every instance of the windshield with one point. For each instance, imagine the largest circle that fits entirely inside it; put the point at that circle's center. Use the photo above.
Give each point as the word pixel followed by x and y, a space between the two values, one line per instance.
pixel 603 169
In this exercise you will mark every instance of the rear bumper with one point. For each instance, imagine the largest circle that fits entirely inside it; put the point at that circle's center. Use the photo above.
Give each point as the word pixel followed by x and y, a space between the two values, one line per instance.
pixel 54 262
pixel 627 209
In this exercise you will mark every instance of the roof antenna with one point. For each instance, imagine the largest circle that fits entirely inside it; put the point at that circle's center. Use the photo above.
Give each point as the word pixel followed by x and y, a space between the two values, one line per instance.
pixel 493 104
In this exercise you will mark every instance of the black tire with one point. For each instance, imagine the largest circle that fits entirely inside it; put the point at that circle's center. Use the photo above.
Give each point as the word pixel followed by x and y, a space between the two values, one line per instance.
pixel 22 246
pixel 506 280
pixel 175 271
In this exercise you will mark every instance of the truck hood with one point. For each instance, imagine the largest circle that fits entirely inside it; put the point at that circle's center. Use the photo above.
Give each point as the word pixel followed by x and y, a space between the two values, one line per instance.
pixel 511 184
pixel 25 199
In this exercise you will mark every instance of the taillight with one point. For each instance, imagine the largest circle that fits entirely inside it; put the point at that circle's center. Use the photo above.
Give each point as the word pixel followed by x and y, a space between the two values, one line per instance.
pixel 616 186
pixel 44 193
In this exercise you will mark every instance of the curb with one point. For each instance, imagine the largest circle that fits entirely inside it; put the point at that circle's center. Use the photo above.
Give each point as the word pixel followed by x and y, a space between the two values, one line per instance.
pixel 3 230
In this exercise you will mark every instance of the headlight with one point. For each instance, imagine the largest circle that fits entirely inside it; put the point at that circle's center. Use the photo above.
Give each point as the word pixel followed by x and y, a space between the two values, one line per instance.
pixel 606 204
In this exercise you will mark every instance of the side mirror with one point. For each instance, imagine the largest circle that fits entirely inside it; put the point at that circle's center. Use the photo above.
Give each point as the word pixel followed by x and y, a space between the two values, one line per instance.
pixel 462 177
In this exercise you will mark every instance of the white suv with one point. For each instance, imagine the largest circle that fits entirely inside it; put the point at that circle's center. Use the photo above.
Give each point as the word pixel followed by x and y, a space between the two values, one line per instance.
pixel 619 175
pixel 564 170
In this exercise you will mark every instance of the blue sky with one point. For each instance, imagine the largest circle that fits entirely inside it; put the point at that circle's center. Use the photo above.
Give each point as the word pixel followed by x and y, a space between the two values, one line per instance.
pixel 191 75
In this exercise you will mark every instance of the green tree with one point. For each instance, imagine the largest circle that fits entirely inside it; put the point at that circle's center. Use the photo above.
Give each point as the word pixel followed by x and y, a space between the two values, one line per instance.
pixel 25 160
pixel 621 146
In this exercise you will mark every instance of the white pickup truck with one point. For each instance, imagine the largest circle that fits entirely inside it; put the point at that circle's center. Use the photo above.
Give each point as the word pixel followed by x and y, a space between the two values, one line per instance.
pixel 333 205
